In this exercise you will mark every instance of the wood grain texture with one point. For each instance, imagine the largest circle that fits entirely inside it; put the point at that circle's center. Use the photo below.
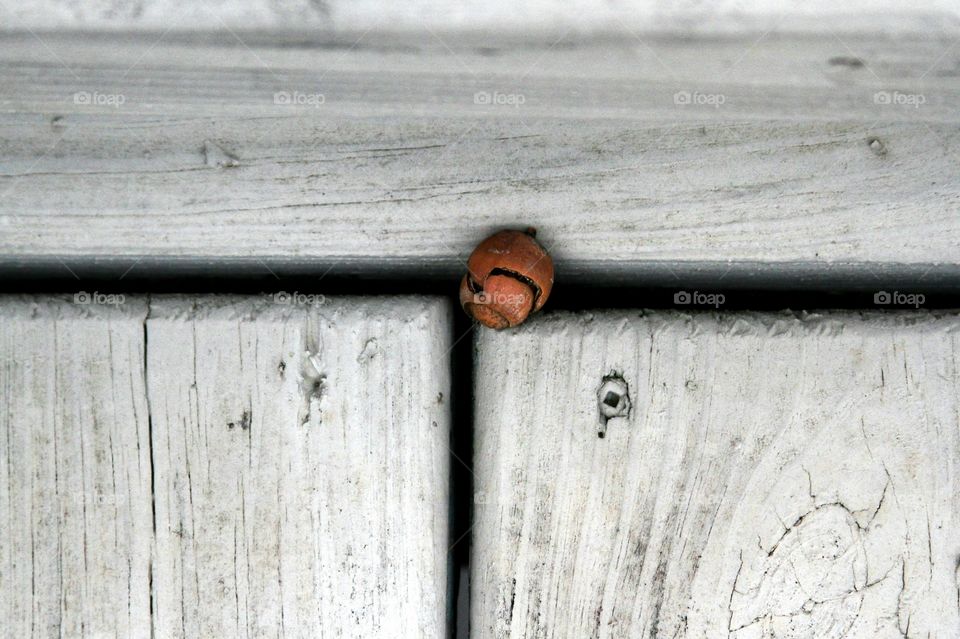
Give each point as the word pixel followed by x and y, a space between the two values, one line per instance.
pixel 384 151
pixel 224 466
pixel 301 464
pixel 711 16
pixel 75 520
pixel 776 475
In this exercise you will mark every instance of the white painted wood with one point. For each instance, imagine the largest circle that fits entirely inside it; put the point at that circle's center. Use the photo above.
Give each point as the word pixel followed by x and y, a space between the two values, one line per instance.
pixel 778 475
pixel 710 16
pixel 296 450
pixel 75 519
pixel 175 150
pixel 301 467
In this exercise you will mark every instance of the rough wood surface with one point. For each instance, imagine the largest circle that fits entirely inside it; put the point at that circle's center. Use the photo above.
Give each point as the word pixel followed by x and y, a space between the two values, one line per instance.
pixel 297 455
pixel 301 465
pixel 775 475
pixel 397 150
pixel 75 520
pixel 710 16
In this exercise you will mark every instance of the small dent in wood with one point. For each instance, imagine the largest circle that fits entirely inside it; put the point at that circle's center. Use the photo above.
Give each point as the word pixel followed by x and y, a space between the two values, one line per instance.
pixel 313 390
pixel 371 348
pixel 215 156
pixel 613 400
pixel 243 422
pixel 850 62
pixel 877 146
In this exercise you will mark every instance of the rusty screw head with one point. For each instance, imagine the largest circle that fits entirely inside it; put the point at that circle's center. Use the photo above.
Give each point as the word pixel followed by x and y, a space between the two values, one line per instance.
pixel 509 275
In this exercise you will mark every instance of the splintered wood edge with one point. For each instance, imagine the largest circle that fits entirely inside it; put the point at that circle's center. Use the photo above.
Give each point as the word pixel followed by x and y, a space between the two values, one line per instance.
pixel 423 309
pixel 112 306
pixel 774 324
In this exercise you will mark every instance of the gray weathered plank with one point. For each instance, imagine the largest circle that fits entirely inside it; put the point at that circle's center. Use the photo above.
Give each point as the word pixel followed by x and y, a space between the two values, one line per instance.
pixel 224 466
pixel 301 467
pixel 75 520
pixel 710 17
pixel 777 475
pixel 400 165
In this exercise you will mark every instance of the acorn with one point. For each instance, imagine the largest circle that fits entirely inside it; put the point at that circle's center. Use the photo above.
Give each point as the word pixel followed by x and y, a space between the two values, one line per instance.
pixel 509 276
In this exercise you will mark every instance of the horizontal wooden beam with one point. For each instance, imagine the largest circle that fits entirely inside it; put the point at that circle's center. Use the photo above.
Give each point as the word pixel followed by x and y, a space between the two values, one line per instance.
pixel 716 16
pixel 370 154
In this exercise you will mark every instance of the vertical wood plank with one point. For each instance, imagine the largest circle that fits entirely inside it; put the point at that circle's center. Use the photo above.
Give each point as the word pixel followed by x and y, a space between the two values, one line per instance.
pixel 301 466
pixel 75 517
pixel 775 475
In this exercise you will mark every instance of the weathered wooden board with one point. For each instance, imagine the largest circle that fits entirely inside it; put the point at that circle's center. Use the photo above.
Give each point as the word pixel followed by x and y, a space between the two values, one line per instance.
pixel 775 475
pixel 631 155
pixel 75 519
pixel 711 16
pixel 224 467
pixel 301 467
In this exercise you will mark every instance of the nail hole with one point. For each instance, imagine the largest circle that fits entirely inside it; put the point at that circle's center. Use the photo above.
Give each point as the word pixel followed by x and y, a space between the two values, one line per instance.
pixel 877 146
pixel 613 400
